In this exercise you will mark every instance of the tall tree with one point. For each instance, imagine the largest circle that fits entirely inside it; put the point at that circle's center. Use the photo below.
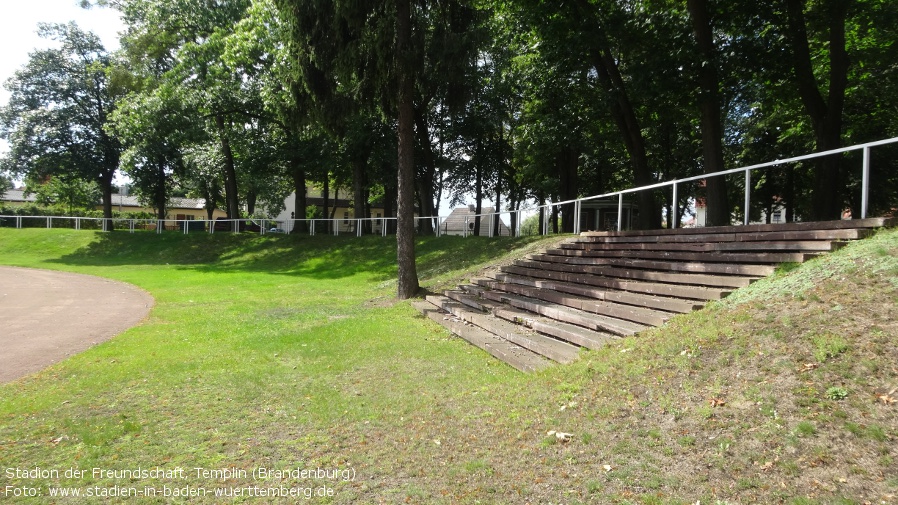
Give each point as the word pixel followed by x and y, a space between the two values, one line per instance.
pixel 825 113
pixel 374 53
pixel 157 128
pixel 59 106
pixel 718 211
pixel 405 211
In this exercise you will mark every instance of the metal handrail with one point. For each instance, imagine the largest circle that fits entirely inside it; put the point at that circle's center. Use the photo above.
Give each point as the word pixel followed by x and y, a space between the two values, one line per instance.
pixel 865 182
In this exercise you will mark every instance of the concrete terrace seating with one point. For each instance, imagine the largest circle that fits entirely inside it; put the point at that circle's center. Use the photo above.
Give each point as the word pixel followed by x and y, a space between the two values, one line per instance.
pixel 602 286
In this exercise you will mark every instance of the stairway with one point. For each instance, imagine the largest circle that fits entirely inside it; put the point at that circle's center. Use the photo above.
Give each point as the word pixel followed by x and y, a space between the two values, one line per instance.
pixel 601 286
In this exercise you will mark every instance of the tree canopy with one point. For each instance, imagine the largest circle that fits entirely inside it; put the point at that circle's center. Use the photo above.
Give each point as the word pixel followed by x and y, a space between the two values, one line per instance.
pixel 408 102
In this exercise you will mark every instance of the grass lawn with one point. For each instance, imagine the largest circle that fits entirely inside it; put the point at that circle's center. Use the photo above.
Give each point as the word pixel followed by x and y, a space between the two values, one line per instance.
pixel 289 353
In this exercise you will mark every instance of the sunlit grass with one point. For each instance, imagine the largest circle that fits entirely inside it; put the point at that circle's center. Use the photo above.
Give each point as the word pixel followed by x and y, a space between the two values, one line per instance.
pixel 287 351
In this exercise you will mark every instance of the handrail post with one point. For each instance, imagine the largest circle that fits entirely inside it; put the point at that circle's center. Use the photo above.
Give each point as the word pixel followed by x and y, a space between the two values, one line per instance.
pixel 358 227
pixel 620 210
pixel 577 217
pixel 464 232
pixel 492 222
pixel 674 210
pixel 747 196
pixel 865 183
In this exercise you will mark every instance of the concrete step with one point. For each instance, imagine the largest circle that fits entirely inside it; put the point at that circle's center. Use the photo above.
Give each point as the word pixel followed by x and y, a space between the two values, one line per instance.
pixel 602 286
pixel 549 347
pixel 652 288
pixel 723 281
pixel 787 245
pixel 472 300
pixel 676 266
pixel 483 282
pixel 640 246
pixel 639 315
pixel 710 257
pixel 574 334
pixel 501 349
pixel 660 303
pixel 567 314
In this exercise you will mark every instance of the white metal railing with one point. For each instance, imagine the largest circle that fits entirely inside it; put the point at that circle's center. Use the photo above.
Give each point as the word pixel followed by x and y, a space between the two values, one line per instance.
pixel 512 226
pixel 353 226
pixel 546 211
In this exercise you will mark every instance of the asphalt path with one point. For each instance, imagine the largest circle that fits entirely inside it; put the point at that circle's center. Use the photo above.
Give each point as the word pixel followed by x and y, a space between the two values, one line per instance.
pixel 47 316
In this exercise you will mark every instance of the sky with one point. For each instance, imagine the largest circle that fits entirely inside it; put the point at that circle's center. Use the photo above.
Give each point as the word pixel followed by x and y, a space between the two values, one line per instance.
pixel 18 32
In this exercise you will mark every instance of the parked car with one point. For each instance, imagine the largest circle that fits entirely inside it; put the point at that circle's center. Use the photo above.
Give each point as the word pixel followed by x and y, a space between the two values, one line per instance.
pixel 225 224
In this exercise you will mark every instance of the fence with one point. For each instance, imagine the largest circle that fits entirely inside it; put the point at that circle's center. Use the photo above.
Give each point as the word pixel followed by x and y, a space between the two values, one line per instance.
pixel 569 211
pixel 380 225
pixel 550 213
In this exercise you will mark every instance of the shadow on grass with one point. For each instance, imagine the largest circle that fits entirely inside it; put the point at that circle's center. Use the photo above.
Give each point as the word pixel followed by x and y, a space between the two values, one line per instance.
pixel 322 256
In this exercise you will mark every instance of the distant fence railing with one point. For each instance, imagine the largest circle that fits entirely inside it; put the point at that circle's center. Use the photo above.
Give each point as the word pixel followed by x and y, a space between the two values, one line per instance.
pixel 358 227
pixel 509 223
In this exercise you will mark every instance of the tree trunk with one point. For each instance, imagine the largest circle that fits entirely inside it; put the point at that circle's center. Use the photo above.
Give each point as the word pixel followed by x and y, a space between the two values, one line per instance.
pixel 554 219
pixel 478 192
pixel 789 196
pixel 567 164
pixel 540 228
pixel 625 118
pixel 513 206
pixel 825 115
pixel 325 193
pixel 232 200
pixel 389 201
pixel 299 202
pixel 407 285
pixel 105 180
pixel 159 197
pixel 621 108
pixel 334 208
pixel 427 173
pixel 251 202
pixel 717 207
pixel 358 188
pixel 498 207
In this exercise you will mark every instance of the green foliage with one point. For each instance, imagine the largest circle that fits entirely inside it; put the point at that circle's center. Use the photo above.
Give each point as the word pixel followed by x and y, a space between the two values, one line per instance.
pixel 837 393
pixel 828 346
pixel 66 192
pixel 805 429
pixel 55 121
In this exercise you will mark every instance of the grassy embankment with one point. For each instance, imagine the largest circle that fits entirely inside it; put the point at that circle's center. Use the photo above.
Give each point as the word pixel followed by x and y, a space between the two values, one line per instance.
pixel 283 352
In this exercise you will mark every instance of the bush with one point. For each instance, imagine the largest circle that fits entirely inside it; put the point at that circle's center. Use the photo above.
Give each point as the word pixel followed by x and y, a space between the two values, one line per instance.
pixel 38 215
